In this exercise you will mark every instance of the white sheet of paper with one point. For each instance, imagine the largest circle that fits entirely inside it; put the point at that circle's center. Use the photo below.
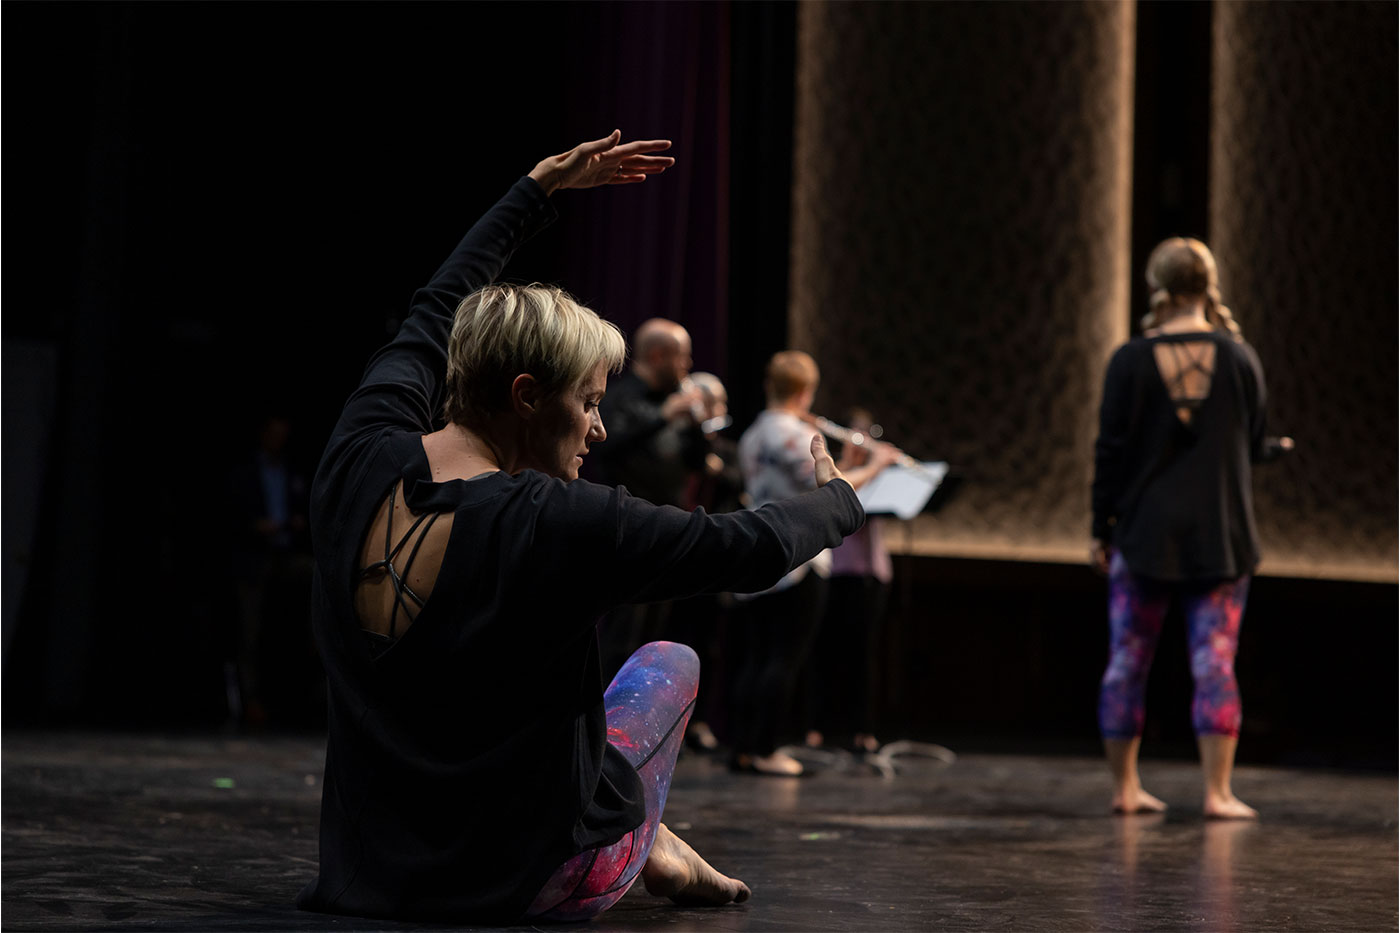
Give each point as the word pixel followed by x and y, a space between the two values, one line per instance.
pixel 902 491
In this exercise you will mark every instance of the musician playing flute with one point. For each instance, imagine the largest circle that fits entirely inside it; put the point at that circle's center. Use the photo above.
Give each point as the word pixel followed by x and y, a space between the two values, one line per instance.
pixel 777 629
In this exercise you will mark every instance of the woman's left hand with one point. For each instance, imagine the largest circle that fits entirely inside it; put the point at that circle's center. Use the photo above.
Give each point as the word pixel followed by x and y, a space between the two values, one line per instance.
pixel 824 468
pixel 604 161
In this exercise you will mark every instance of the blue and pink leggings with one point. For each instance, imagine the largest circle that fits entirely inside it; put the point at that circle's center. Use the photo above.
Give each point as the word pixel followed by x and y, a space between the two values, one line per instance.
pixel 648 706
pixel 1136 608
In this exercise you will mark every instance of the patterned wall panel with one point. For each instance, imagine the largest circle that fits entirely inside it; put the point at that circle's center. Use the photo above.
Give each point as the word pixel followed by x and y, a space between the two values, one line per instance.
pixel 1303 223
pixel 960 245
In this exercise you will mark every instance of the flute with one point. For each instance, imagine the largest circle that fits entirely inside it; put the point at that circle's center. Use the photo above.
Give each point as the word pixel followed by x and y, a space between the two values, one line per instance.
pixel 845 435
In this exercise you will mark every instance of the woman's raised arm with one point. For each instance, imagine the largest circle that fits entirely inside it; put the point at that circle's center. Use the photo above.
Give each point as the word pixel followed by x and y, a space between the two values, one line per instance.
pixel 402 385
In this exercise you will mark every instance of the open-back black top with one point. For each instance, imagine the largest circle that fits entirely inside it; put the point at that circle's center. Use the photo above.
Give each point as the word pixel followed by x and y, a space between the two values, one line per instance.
pixel 468 759
pixel 1171 493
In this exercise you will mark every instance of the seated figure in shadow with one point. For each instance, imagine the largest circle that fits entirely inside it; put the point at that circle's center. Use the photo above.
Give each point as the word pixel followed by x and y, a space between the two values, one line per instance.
pixel 476 769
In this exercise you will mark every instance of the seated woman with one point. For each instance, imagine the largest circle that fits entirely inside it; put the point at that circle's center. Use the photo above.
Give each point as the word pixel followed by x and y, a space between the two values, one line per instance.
pixel 475 768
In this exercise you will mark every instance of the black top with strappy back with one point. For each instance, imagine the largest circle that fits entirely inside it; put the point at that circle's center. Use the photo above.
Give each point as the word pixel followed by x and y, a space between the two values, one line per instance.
pixel 404 597
pixel 1171 493
pixel 467 758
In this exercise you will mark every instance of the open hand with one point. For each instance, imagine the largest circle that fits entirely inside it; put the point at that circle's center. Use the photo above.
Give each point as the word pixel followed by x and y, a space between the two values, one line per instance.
pixel 604 161
pixel 826 470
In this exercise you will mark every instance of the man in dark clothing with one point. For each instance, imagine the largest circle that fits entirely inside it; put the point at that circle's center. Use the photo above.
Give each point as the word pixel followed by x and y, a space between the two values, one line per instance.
pixel 653 416
pixel 655 446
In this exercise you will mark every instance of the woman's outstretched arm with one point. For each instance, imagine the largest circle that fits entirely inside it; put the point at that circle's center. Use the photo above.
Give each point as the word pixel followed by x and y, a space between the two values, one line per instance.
pixel 598 547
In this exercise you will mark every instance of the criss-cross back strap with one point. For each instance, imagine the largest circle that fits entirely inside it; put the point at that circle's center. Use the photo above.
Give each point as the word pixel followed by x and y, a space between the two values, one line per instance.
pixel 403 593
pixel 1187 362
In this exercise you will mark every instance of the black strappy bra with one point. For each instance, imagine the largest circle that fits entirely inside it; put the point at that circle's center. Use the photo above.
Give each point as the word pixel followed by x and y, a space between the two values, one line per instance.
pixel 403 593
pixel 1187 363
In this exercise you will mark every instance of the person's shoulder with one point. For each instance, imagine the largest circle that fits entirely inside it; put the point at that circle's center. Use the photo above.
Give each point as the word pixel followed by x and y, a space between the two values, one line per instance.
pixel 552 507
pixel 625 383
pixel 1130 351
pixel 786 423
pixel 551 490
pixel 534 483
pixel 1237 345
pixel 1244 356
pixel 755 430
pixel 354 458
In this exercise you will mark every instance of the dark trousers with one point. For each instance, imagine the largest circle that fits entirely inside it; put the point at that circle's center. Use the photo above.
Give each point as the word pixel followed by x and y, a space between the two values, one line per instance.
pixel 843 662
pixel 700 622
pixel 772 637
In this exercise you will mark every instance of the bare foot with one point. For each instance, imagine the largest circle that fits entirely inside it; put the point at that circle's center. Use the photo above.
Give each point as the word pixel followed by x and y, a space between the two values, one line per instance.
pixel 1136 801
pixel 677 871
pixel 1228 807
pixel 779 763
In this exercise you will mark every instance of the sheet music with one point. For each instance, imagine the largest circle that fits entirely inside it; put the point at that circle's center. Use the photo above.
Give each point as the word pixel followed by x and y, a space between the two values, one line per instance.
pixel 902 491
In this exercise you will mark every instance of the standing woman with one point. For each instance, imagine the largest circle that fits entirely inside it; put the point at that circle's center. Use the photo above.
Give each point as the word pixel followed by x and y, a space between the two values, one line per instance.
pixel 475 768
pixel 777 629
pixel 1181 422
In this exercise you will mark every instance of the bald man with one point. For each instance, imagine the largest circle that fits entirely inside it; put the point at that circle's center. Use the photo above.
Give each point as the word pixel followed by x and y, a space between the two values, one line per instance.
pixel 654 446
pixel 654 440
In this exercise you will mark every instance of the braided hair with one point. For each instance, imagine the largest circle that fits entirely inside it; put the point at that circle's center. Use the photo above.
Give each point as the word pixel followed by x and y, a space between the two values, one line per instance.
pixel 1181 270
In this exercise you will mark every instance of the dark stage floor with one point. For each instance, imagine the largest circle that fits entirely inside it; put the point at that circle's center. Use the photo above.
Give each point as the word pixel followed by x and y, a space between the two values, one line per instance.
pixel 114 832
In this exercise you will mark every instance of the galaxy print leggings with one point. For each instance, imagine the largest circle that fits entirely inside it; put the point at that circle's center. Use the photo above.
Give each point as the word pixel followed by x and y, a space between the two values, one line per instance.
pixel 1136 608
pixel 648 705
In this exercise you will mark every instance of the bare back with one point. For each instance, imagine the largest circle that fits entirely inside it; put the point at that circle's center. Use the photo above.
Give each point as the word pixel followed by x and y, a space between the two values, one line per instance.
pixel 1187 368
pixel 402 552
pixel 399 564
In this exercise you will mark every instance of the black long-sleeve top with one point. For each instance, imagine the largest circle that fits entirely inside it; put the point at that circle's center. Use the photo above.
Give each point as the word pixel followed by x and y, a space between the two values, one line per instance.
pixel 470 760
pixel 1174 499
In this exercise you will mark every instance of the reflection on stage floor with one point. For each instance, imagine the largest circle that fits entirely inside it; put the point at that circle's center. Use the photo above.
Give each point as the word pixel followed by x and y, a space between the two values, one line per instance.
pixel 123 832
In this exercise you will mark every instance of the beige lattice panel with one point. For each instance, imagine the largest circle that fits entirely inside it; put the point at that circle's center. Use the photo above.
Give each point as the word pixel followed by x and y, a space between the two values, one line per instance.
pixel 1303 223
pixel 960 246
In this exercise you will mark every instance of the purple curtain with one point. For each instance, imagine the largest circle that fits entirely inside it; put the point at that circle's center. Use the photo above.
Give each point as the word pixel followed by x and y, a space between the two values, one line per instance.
pixel 659 249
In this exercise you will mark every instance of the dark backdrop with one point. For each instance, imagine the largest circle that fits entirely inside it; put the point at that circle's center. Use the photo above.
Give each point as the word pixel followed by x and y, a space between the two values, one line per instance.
pixel 216 211
pixel 221 210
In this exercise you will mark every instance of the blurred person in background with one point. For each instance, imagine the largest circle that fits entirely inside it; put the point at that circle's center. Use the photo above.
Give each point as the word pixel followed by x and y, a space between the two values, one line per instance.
pixel 273 672
pixel 1180 425
pixel 655 446
pixel 703 621
pixel 845 658
pixel 776 631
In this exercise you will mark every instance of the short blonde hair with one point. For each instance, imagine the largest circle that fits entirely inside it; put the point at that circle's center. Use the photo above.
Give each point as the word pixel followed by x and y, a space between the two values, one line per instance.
pixel 502 331
pixel 789 374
